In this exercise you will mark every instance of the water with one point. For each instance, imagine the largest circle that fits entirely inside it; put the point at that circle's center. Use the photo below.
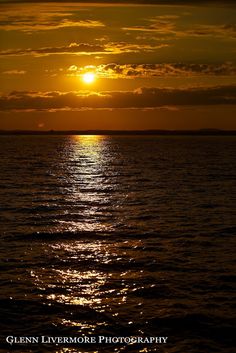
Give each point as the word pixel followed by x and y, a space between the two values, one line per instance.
pixel 118 236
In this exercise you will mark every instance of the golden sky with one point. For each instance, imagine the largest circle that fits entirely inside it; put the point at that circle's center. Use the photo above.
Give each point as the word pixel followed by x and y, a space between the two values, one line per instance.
pixel 117 66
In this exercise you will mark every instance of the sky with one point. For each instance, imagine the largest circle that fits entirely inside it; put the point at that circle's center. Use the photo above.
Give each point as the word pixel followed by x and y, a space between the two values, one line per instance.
pixel 133 65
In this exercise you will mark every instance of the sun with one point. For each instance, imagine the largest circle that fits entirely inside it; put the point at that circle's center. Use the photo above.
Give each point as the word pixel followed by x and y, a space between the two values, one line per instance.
pixel 88 77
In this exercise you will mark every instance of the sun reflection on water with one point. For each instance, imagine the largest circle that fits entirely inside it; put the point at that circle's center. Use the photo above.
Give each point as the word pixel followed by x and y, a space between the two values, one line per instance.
pixel 89 146
pixel 80 282
pixel 85 272
pixel 88 189
pixel 82 287
pixel 88 279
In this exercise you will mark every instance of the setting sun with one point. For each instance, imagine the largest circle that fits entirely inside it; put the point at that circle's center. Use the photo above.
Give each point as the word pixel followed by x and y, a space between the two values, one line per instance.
pixel 88 77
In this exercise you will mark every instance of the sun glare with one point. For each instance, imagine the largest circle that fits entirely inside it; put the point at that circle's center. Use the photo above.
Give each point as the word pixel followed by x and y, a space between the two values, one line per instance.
pixel 88 77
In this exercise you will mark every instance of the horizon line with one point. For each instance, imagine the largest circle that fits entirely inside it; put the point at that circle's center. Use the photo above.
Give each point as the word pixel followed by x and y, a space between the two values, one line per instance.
pixel 206 131
pixel 122 2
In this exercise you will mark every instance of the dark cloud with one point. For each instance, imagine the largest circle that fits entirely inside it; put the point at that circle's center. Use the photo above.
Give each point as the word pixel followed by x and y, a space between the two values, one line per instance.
pixel 140 98
pixel 225 30
pixel 159 70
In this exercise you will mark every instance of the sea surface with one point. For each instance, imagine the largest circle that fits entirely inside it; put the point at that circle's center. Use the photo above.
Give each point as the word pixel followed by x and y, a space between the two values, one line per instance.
pixel 118 236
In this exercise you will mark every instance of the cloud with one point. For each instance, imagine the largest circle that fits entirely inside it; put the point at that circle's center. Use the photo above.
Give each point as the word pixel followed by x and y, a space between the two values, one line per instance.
pixel 138 99
pixel 84 49
pixel 116 71
pixel 14 72
pixel 38 19
pixel 158 24
pixel 73 48
pixel 29 27
pixel 166 25
pixel 225 30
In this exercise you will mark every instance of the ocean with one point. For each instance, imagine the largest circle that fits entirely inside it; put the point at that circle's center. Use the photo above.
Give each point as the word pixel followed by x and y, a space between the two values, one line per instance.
pixel 118 236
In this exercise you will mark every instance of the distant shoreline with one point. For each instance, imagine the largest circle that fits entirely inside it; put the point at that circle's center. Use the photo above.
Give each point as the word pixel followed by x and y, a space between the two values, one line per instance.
pixel 201 132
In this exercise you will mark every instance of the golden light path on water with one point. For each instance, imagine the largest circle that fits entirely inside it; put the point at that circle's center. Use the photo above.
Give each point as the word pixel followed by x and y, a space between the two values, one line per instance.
pixel 87 184
pixel 77 284
pixel 84 275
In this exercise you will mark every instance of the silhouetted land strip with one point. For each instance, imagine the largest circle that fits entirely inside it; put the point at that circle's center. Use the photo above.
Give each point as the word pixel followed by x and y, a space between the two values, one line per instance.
pixel 203 132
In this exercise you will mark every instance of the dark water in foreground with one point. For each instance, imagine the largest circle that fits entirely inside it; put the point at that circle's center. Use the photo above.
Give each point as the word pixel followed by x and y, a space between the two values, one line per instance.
pixel 118 236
